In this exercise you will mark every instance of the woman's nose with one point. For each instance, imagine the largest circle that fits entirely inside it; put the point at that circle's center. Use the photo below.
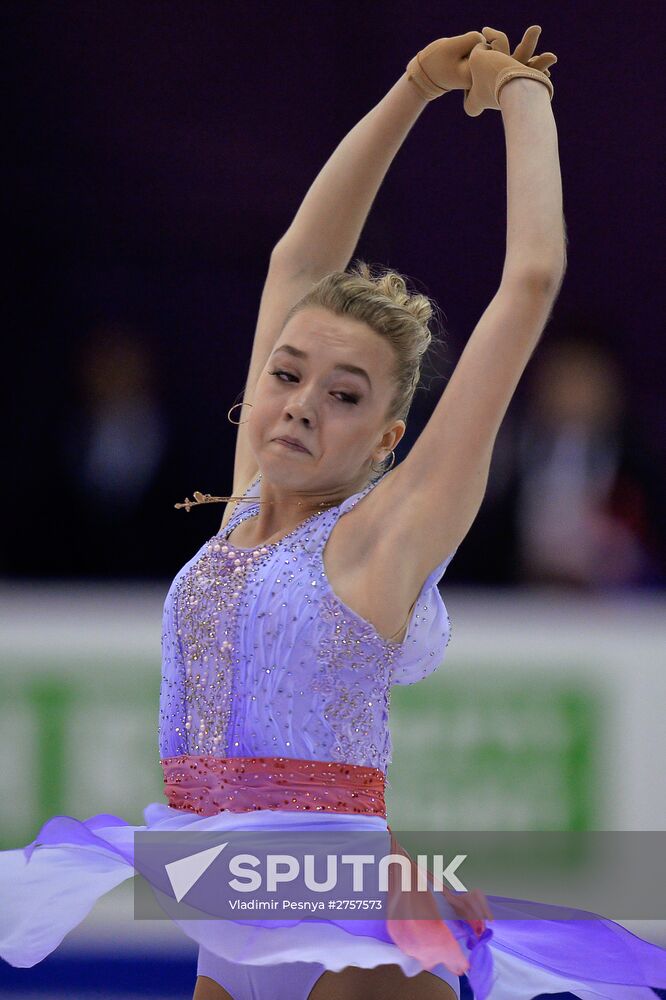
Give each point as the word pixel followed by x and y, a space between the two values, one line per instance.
pixel 301 409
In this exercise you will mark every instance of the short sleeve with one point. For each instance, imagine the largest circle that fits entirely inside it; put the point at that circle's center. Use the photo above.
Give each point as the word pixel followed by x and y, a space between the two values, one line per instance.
pixel 428 635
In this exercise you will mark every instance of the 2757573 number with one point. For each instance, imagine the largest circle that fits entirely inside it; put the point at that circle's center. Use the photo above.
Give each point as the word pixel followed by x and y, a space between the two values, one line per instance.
pixel 355 904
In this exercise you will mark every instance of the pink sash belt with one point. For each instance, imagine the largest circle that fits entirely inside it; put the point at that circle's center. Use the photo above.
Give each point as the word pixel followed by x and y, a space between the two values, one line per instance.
pixel 210 785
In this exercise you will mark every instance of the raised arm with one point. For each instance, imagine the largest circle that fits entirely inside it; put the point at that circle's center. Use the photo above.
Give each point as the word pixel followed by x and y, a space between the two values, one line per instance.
pixel 442 481
pixel 324 233
pixel 536 234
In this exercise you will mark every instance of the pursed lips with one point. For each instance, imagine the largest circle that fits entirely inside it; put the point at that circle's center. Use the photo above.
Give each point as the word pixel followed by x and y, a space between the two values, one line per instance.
pixel 294 444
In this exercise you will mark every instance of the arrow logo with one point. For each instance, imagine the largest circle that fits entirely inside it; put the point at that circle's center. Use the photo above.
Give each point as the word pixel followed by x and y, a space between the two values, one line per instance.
pixel 185 872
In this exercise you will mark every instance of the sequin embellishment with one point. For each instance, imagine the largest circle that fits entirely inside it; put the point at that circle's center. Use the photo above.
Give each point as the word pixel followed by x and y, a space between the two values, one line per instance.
pixel 353 678
pixel 260 657
pixel 210 785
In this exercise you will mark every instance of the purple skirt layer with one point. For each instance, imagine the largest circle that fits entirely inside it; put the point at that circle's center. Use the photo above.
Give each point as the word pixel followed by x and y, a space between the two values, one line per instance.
pixel 50 886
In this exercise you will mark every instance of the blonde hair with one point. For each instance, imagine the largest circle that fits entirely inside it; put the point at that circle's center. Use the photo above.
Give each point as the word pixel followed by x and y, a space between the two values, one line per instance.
pixel 379 297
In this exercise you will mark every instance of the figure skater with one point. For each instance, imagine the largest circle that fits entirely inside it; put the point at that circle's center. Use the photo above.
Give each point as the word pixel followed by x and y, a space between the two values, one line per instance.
pixel 284 633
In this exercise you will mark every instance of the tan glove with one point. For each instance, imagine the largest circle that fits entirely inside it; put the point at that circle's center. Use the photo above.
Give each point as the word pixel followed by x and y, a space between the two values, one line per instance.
pixel 442 65
pixel 491 67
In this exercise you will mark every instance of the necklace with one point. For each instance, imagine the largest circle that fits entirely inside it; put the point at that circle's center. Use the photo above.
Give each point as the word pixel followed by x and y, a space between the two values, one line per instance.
pixel 201 498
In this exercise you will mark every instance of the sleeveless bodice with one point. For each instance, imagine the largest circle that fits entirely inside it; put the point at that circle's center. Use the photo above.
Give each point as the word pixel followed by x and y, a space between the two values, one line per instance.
pixel 261 658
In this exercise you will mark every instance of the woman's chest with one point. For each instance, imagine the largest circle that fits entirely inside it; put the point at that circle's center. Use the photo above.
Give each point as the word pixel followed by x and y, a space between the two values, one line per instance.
pixel 276 588
pixel 268 622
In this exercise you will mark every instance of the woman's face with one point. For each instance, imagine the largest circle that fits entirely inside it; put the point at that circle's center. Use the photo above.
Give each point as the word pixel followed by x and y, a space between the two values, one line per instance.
pixel 337 414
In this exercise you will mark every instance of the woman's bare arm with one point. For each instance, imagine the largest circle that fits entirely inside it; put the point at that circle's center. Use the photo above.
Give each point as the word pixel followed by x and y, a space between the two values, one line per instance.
pixel 536 235
pixel 442 481
pixel 324 233
pixel 323 236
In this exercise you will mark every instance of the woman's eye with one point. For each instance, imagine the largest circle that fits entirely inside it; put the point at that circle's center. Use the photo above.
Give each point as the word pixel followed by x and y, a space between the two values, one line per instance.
pixel 348 398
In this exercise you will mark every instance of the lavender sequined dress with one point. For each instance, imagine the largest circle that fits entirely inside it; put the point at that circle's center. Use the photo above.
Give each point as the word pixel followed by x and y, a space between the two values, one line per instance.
pixel 261 658
pixel 277 664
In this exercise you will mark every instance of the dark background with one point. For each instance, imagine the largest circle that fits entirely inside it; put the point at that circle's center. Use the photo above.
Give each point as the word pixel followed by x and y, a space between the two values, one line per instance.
pixel 157 151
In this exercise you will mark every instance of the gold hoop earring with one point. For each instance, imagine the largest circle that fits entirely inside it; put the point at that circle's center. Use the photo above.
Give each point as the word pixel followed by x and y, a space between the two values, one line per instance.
pixel 237 423
pixel 384 470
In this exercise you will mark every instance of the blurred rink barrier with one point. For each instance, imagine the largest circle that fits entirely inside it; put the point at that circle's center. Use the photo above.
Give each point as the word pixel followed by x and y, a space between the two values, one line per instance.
pixel 547 714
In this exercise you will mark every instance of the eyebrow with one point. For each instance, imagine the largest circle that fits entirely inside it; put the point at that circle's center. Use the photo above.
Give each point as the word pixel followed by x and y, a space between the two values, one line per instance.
pixel 298 353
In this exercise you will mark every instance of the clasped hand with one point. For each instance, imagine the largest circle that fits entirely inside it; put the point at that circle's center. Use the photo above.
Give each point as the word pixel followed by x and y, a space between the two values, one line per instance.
pixel 478 63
